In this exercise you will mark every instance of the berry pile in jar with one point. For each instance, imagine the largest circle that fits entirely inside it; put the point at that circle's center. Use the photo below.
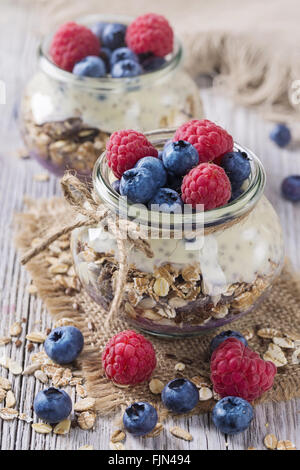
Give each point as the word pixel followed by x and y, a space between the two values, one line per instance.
pixel 113 49
pixel 198 166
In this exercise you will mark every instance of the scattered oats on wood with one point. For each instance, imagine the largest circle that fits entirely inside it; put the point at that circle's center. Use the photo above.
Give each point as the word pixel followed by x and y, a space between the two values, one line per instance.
pixel 10 399
pixel 8 414
pixel 76 381
pixel 116 446
pixel 5 383
pixel 156 431
pixel 63 427
pixel 285 445
pixel 36 337
pixel 32 368
pixel 41 177
pixel 284 343
pixel 40 357
pixel 15 329
pixel 41 428
pixel 86 420
pixel 24 417
pixel 81 391
pixel 295 356
pixel 251 448
pixel 2 394
pixel 179 366
pixel 86 447
pixel 248 334
pixel 15 368
pixel 41 376
pixel 200 381
pixel 31 289
pixel 117 436
pixel 276 355
pixel 5 361
pixel 51 369
pixel 59 268
pixel 5 340
pixel 85 405
pixel 293 335
pixel 156 386
pixel 64 322
pixel 270 441
pixel 269 333
pixel 181 433
pixel 216 396
pixel 205 393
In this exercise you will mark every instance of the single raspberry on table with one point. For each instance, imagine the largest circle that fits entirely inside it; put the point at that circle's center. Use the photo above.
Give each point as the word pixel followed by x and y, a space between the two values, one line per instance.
pixel 124 148
pixel 71 43
pixel 206 184
pixel 128 358
pixel 150 33
pixel 210 140
pixel 238 371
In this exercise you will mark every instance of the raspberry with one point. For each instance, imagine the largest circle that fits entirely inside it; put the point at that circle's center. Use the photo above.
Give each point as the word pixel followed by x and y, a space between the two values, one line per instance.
pixel 238 371
pixel 150 33
pixel 71 43
pixel 210 140
pixel 128 358
pixel 206 184
pixel 125 148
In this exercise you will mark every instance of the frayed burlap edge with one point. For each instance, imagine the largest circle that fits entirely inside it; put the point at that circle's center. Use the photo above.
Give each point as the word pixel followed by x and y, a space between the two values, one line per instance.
pixel 280 310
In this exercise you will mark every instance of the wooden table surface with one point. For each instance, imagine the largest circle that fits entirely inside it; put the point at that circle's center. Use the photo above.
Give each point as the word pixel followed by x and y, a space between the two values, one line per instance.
pixel 17 63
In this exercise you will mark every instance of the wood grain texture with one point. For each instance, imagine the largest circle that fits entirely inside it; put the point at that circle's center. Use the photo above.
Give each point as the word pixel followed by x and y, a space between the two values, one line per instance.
pixel 17 62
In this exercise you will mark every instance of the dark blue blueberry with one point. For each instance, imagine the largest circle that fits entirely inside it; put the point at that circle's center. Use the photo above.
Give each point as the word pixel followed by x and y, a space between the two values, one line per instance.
pixel 52 405
pixel 174 182
pixel 168 201
pixel 113 35
pixel 237 167
pixel 160 154
pixel 232 415
pixel 138 185
pixel 140 418
pixel 180 395
pixel 153 63
pixel 64 344
pixel 217 340
pixel 123 53
pixel 281 135
pixel 126 68
pixel 180 157
pixel 290 188
pixel 98 29
pixel 90 66
pixel 156 167
pixel 116 186
pixel 235 194
pixel 105 55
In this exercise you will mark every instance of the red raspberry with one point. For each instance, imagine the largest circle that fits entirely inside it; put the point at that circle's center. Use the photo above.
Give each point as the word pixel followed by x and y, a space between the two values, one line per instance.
pixel 210 140
pixel 206 184
pixel 128 358
pixel 125 148
pixel 71 43
pixel 238 371
pixel 150 33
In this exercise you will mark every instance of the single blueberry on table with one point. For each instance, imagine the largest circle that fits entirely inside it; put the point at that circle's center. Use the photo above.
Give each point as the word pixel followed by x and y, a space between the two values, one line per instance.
pixel 232 415
pixel 217 340
pixel 281 135
pixel 237 167
pixel 126 68
pixel 180 157
pixel 140 418
pixel 151 64
pixel 52 405
pixel 156 167
pixel 180 395
pixel 290 188
pixel 138 185
pixel 122 53
pixel 90 66
pixel 116 186
pixel 168 200
pixel 98 29
pixel 64 344
pixel 113 35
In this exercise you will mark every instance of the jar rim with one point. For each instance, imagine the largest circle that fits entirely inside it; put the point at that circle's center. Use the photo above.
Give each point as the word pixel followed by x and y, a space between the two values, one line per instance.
pixel 207 219
pixel 106 83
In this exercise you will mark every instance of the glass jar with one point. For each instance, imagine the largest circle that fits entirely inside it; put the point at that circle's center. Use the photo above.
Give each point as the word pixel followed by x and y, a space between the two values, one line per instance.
pixel 193 284
pixel 66 120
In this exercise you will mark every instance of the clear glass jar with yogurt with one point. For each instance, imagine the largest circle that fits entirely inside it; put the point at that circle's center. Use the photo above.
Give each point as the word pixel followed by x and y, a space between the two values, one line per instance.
pixel 197 280
pixel 66 119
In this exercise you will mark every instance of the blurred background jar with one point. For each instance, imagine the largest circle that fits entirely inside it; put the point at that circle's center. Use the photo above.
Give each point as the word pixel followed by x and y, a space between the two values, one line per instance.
pixel 66 119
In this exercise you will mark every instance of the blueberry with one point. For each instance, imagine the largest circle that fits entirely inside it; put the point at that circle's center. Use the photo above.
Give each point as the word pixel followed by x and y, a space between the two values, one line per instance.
pixel 156 167
pixel 113 35
pixel 105 55
pixel 138 185
pixel 126 68
pixel 90 66
pixel 235 194
pixel 179 157
pixel 64 344
pixel 281 135
pixel 174 182
pixel 168 201
pixel 180 395
pixel 160 154
pixel 217 340
pixel 290 188
pixel 232 415
pixel 237 167
pixel 153 63
pixel 122 53
pixel 52 405
pixel 98 29
pixel 116 186
pixel 140 418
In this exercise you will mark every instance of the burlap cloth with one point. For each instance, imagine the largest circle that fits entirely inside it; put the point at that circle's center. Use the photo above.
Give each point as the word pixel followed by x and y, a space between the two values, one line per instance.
pixel 280 311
